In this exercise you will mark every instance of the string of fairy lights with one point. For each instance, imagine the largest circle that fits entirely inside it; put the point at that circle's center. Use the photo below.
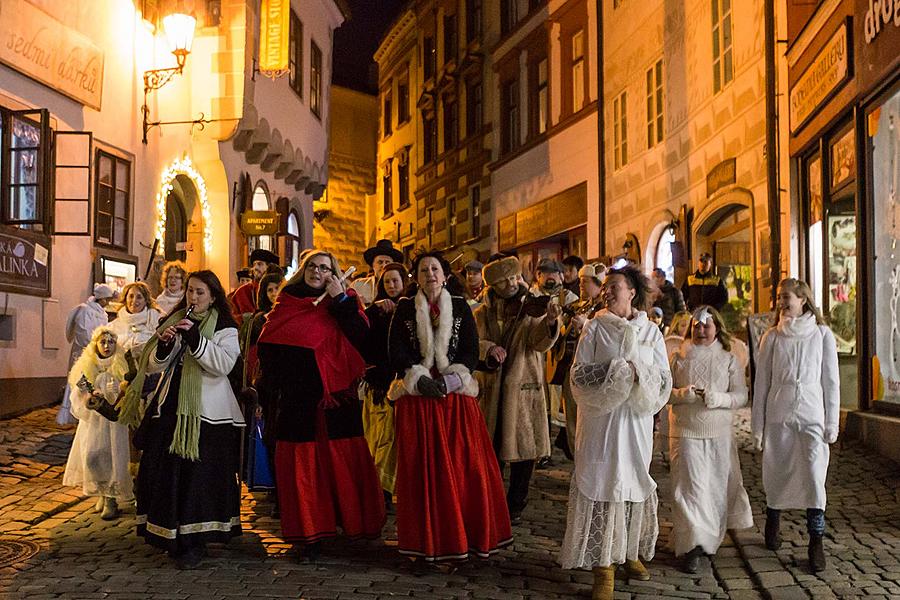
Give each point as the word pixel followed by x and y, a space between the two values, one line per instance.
pixel 183 166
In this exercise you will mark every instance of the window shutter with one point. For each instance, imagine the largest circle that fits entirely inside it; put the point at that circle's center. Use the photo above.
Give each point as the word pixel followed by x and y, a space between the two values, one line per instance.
pixel 72 182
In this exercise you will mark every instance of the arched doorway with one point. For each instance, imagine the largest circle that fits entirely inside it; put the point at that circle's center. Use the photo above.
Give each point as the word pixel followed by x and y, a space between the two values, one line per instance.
pixel 260 201
pixel 725 230
pixel 292 243
pixel 176 229
pixel 183 215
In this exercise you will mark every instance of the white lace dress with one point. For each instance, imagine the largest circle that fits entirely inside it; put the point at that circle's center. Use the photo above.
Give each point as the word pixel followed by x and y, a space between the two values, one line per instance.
pixel 612 499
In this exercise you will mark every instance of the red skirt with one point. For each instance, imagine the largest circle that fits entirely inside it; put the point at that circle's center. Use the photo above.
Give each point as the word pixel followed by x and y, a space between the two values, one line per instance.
pixel 325 485
pixel 450 499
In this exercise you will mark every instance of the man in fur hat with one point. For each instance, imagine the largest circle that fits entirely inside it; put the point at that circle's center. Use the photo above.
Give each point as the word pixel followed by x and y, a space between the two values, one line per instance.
pixel 512 344
pixel 243 302
pixel 377 257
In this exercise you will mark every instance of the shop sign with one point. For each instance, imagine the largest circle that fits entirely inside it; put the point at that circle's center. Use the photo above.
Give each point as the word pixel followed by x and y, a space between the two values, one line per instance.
pixel 24 262
pixel 259 222
pixel 829 70
pixel 881 13
pixel 561 212
pixel 275 19
pixel 37 45
pixel 721 175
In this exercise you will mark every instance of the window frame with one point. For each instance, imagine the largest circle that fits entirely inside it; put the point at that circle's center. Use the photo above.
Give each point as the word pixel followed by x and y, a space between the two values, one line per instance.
pixel 44 170
pixel 99 155
pixel 429 138
pixel 315 79
pixel 403 185
pixel 510 106
pixel 577 71
pixel 450 113
pixel 387 189
pixel 474 106
pixel 539 96
pixel 474 20
pixel 475 211
pixel 295 55
pixel 620 130
pixel 655 104
pixel 403 112
pixel 386 114
pixel 722 44
pixel 429 57
pixel 452 222
pixel 509 15
pixel 451 37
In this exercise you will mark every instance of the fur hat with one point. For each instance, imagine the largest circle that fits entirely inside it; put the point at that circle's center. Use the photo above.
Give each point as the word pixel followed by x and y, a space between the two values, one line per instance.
pixel 498 270
pixel 596 271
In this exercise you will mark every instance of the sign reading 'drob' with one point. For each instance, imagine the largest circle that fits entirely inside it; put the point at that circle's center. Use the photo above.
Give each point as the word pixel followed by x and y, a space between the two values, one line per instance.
pixel 259 222
pixel 824 76
pixel 24 262
pixel 37 45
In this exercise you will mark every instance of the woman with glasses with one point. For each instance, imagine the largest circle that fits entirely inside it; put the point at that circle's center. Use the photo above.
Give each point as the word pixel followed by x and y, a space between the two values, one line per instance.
pixel 309 361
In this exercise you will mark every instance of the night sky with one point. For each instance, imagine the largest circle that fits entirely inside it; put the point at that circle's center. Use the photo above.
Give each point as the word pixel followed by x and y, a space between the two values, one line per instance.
pixel 357 39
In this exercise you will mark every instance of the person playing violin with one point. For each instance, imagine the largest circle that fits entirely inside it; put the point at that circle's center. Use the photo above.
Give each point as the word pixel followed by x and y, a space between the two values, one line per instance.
pixel 515 330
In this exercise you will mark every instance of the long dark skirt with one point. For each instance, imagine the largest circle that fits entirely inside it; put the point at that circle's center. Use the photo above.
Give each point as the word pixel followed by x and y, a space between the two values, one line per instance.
pixel 183 503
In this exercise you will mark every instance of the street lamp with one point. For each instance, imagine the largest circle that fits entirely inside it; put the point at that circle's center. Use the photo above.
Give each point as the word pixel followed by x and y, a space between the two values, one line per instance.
pixel 179 31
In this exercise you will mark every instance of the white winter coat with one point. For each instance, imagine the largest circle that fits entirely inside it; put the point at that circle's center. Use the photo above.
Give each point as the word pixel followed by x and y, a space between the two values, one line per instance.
pixel 82 322
pixel 217 356
pixel 134 330
pixel 166 301
pixel 614 431
pixel 796 410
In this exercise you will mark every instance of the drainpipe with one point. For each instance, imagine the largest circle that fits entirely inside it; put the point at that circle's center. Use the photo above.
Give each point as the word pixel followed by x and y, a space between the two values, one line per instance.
pixel 772 183
pixel 601 155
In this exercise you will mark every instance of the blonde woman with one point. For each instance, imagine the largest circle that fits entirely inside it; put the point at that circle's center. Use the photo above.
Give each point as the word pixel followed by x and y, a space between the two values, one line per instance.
pixel 138 318
pixel 796 411
pixel 707 488
pixel 172 282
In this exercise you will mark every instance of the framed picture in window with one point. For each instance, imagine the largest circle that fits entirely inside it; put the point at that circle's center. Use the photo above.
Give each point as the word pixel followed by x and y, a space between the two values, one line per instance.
pixel 116 273
pixel 814 185
pixel 843 158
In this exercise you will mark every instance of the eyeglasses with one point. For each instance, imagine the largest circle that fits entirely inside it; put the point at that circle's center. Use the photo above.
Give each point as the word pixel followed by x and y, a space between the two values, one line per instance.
pixel 312 267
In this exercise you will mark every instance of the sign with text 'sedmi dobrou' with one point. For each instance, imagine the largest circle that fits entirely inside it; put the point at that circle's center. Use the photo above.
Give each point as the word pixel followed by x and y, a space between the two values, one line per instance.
pixel 37 45
pixel 827 72
pixel 24 262
pixel 259 222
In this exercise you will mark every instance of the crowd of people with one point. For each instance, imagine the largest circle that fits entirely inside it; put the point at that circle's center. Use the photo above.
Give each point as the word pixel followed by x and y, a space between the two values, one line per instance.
pixel 414 388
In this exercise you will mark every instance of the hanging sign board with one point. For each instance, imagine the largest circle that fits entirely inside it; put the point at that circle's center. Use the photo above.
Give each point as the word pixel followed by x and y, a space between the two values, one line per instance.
pixel 24 262
pixel 37 45
pixel 722 175
pixel 275 25
pixel 259 222
pixel 828 72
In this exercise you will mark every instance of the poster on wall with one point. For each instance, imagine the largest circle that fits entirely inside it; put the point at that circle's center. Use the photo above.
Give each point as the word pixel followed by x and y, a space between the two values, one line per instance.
pixel 117 273
pixel 841 316
pixel 843 159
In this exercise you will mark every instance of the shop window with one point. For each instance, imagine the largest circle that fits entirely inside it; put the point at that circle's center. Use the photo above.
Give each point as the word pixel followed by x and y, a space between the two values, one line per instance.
pixel 620 130
pixel 722 61
pixel 295 55
pixel 474 18
pixel 292 243
pixel 883 151
pixel 473 107
pixel 654 105
pixel 113 197
pixel 24 167
pixel 315 80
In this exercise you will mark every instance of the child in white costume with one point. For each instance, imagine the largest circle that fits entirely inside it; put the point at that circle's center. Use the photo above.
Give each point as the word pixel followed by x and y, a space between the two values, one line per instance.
pixel 98 460
pixel 707 488
pixel 620 378
pixel 796 411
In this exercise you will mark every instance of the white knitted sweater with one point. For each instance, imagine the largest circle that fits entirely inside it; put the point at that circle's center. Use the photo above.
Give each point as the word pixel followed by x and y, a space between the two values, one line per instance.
pixel 715 370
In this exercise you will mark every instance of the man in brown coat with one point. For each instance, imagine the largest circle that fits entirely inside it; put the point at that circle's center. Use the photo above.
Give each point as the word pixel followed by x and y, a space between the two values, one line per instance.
pixel 515 331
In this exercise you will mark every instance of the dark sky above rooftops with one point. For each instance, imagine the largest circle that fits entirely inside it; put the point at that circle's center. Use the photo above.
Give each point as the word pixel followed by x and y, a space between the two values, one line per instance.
pixel 356 41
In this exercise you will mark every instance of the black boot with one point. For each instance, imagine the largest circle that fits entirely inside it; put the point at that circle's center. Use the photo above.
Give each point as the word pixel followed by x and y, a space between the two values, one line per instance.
pixel 773 529
pixel 691 561
pixel 816 554
pixel 562 442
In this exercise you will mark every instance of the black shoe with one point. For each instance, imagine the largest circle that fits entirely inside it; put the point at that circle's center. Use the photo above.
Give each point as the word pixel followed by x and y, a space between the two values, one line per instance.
pixel 543 463
pixel 773 529
pixel 310 552
pixel 562 442
pixel 190 558
pixel 691 561
pixel 816 554
pixel 515 517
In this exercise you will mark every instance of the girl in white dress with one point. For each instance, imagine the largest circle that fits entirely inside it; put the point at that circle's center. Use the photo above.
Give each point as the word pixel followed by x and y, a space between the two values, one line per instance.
pixel 796 412
pixel 620 378
pixel 98 460
pixel 707 488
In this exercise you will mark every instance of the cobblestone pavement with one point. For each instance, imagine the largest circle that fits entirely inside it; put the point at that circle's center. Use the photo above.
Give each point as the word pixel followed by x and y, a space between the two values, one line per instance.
pixel 85 557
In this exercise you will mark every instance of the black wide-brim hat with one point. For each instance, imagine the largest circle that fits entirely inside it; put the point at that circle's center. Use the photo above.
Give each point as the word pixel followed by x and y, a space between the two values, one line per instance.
pixel 382 248
pixel 263 255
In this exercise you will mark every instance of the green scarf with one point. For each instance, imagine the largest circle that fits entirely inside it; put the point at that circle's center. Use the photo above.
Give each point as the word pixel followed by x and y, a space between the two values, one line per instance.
pixel 186 440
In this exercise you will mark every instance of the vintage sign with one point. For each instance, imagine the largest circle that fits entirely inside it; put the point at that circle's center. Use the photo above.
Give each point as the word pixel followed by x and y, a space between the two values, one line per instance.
pixel 37 45
pixel 881 13
pixel 259 222
pixel 721 175
pixel 556 214
pixel 275 19
pixel 24 262
pixel 829 70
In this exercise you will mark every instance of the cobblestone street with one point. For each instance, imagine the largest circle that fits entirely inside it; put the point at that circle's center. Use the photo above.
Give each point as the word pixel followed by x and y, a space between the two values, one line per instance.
pixel 82 556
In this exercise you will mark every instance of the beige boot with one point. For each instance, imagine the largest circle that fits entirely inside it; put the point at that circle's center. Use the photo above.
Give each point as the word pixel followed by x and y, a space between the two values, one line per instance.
pixel 98 505
pixel 634 569
pixel 604 583
pixel 110 509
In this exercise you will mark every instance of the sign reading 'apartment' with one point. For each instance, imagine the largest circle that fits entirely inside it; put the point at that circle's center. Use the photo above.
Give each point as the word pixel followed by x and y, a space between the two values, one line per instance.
pixel 37 45
pixel 824 76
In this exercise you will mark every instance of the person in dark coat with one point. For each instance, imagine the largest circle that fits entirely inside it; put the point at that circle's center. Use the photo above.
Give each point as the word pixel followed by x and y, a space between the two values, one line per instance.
pixel 668 299
pixel 704 286
pixel 310 364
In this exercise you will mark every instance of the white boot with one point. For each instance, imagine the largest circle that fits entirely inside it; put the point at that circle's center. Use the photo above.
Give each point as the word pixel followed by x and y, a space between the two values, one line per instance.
pixel 98 505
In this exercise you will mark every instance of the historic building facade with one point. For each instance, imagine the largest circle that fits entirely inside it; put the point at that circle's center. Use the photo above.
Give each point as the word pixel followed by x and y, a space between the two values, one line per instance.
pixel 111 141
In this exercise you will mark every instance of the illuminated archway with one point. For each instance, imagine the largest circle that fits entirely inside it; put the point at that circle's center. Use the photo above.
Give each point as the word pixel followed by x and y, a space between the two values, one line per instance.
pixel 183 166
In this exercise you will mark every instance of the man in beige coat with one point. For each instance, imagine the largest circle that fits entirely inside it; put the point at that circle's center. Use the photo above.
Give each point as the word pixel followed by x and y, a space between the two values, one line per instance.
pixel 515 331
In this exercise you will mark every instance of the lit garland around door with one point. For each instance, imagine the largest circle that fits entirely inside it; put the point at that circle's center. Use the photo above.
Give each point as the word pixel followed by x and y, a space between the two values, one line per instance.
pixel 183 166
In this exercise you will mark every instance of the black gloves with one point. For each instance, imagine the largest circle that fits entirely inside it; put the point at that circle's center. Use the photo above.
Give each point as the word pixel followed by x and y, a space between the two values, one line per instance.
pixel 191 337
pixel 432 388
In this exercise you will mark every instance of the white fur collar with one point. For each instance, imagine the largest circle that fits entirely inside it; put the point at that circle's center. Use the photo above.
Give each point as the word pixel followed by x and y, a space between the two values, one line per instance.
pixel 434 343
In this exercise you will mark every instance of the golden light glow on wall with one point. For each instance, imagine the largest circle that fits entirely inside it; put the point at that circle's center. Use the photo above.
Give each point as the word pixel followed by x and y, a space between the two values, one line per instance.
pixel 183 166
pixel 274 30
